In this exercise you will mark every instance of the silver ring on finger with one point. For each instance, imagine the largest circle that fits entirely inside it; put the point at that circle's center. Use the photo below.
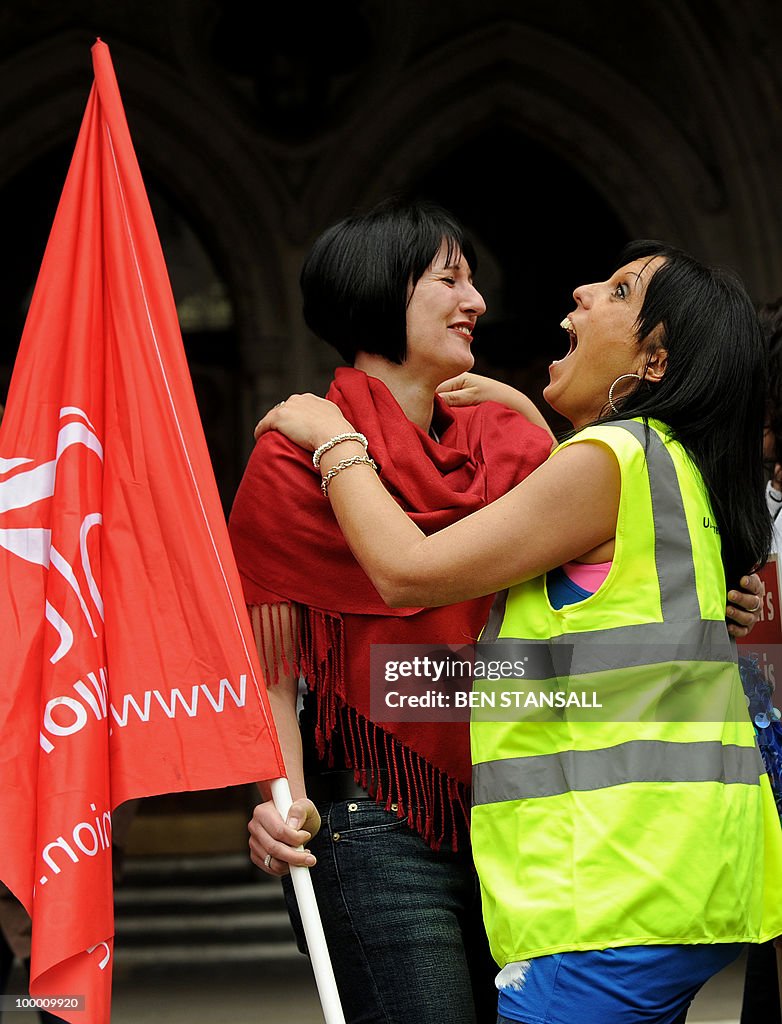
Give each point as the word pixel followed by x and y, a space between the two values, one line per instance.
pixel 267 860
pixel 757 606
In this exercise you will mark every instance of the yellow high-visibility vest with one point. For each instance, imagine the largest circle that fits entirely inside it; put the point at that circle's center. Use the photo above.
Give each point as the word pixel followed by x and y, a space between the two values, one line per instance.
pixel 649 820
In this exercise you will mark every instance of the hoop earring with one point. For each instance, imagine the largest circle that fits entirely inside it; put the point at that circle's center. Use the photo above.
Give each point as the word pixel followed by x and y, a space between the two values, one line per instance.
pixel 621 376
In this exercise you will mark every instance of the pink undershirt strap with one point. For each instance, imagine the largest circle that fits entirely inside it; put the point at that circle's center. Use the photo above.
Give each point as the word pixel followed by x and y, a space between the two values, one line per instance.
pixel 588 577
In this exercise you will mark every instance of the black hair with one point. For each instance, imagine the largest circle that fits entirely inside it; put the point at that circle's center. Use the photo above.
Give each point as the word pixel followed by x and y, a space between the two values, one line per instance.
pixel 770 315
pixel 712 394
pixel 357 278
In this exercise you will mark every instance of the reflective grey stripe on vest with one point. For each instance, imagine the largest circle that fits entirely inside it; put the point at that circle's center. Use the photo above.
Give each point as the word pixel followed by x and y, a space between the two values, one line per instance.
pixel 673 545
pixel 494 623
pixel 603 650
pixel 545 775
pixel 675 574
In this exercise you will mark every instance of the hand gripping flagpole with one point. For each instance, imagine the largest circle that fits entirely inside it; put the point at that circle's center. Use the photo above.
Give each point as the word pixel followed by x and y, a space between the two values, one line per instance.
pixel 310 918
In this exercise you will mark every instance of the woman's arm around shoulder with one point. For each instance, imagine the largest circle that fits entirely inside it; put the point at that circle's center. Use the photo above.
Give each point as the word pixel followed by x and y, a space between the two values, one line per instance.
pixel 526 532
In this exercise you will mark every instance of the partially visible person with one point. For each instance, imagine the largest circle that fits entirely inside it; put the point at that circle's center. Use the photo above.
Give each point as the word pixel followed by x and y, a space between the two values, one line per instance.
pixel 15 933
pixel 761 1002
pixel 16 941
pixel 625 860
pixel 15 925
pixel 16 930
pixel 771 321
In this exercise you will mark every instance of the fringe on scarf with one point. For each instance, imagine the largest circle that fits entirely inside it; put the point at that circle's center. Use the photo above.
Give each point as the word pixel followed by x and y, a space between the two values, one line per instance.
pixel 293 640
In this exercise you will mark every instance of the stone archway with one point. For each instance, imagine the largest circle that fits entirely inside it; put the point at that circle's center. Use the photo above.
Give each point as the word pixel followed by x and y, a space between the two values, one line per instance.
pixel 653 174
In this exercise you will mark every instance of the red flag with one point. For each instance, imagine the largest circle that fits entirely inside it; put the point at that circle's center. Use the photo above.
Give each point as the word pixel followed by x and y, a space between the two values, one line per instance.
pixel 128 666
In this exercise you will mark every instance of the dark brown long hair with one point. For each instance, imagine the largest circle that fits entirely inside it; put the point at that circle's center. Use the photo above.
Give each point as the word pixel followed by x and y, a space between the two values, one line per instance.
pixel 713 393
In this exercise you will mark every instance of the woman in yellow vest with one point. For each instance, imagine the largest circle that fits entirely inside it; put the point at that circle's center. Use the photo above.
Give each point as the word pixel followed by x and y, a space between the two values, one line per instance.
pixel 623 827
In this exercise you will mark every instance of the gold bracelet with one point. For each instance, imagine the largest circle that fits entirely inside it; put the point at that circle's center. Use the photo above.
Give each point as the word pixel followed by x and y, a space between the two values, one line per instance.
pixel 355 460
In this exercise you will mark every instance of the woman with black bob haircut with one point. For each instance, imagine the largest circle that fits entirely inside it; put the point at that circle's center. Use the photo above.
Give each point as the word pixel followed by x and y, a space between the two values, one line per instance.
pixel 623 826
pixel 360 275
pixel 392 291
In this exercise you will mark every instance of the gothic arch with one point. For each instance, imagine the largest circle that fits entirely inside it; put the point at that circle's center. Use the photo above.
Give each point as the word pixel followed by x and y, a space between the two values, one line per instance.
pixel 645 167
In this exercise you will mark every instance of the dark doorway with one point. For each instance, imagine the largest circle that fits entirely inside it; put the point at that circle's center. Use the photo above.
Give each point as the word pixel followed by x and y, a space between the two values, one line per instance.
pixel 27 206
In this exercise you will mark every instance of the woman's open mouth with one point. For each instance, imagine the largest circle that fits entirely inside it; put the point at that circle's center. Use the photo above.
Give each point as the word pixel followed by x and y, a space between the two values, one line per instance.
pixel 567 325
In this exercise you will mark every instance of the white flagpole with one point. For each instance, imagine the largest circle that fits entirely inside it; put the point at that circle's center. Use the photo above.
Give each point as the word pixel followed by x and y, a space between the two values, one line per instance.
pixel 310 918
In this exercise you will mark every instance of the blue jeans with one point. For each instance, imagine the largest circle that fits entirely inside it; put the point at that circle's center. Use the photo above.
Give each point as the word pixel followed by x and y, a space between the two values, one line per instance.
pixel 402 922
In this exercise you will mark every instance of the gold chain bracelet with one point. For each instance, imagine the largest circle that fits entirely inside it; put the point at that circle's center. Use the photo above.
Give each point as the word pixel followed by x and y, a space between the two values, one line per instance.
pixel 355 460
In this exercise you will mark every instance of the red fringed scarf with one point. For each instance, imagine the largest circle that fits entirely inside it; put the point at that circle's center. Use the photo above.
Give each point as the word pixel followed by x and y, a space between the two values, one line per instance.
pixel 289 548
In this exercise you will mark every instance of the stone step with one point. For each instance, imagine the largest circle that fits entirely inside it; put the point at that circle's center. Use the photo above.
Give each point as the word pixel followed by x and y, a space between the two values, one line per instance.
pixel 139 898
pixel 213 953
pixel 161 870
pixel 214 909
pixel 249 921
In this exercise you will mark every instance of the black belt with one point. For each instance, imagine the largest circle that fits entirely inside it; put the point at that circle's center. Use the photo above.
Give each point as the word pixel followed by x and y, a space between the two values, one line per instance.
pixel 340 785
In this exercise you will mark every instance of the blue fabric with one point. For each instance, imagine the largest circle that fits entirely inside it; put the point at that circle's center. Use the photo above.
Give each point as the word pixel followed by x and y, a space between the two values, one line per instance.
pixel 562 590
pixel 766 718
pixel 403 922
pixel 628 985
